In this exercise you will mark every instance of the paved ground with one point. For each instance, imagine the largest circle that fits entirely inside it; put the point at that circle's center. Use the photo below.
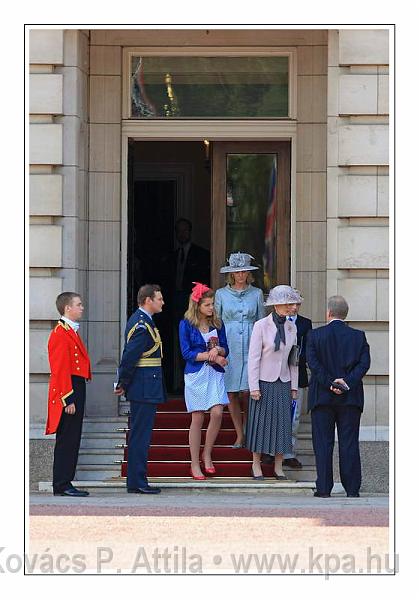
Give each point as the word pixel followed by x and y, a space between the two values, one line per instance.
pixel 209 532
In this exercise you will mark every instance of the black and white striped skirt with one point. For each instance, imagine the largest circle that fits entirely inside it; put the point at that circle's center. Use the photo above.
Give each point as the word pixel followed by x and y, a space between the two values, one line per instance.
pixel 269 422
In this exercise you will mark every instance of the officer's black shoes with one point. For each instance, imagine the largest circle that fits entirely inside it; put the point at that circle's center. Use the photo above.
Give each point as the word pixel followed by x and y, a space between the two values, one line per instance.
pixel 357 495
pixel 144 490
pixel 319 495
pixel 74 492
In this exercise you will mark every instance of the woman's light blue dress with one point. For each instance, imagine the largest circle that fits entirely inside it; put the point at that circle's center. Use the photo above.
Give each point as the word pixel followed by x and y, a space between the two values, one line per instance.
pixel 239 310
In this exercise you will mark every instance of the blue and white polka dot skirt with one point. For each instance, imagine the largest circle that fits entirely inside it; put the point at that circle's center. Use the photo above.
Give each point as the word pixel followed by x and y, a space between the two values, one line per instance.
pixel 204 388
pixel 269 423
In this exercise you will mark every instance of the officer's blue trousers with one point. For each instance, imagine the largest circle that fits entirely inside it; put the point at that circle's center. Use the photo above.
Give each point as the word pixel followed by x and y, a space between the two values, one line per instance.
pixel 142 418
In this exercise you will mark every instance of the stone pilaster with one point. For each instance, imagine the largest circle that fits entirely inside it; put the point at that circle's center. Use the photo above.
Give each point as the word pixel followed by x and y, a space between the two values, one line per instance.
pixel 57 190
pixel 104 225
pixel 357 207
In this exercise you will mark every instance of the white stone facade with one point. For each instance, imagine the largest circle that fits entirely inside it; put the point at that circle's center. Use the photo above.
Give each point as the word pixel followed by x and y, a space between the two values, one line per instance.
pixel 340 183
pixel 358 199
pixel 58 189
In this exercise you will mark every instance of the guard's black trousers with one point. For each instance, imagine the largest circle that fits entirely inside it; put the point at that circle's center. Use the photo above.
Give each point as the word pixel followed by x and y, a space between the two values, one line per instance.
pixel 67 438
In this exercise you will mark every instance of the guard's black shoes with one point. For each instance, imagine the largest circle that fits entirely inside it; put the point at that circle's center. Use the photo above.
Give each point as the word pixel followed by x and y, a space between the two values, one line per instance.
pixel 145 490
pixel 353 495
pixel 319 495
pixel 74 492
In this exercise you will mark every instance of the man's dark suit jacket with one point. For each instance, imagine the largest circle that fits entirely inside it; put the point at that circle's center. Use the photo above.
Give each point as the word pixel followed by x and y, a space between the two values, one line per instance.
pixel 303 325
pixel 197 267
pixel 332 352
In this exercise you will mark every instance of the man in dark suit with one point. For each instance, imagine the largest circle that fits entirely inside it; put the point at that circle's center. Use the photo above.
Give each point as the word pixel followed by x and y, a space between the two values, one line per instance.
pixel 190 262
pixel 337 354
pixel 303 325
pixel 140 379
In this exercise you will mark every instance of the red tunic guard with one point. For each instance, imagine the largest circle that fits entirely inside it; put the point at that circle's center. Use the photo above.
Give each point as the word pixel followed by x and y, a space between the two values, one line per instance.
pixel 68 356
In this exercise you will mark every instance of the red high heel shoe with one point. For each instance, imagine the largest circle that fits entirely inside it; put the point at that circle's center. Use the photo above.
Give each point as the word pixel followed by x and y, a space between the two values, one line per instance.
pixel 211 471
pixel 197 477
pixel 208 471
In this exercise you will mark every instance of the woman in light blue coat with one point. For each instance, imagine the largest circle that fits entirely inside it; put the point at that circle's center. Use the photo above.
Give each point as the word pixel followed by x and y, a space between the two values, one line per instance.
pixel 239 304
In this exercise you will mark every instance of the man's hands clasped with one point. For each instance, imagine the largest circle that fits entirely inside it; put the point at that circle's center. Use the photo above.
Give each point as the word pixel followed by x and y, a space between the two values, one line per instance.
pixel 341 382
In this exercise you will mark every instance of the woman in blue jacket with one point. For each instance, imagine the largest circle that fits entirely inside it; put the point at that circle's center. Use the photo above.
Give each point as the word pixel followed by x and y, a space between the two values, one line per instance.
pixel 204 347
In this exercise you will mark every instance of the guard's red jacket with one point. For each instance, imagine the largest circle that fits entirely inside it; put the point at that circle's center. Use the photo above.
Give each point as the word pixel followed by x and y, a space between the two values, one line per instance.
pixel 68 356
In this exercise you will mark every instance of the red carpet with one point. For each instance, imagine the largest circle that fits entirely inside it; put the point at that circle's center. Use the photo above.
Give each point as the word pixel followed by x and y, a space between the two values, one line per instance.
pixel 169 453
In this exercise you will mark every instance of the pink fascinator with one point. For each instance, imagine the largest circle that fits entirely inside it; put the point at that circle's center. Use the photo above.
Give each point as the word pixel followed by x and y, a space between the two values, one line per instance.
pixel 198 290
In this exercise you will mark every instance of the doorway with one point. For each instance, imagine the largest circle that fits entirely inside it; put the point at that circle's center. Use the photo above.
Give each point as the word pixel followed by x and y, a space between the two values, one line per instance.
pixel 235 196
pixel 169 209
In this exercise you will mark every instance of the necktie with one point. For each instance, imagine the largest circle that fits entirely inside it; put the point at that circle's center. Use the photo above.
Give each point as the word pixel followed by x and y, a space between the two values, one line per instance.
pixel 180 268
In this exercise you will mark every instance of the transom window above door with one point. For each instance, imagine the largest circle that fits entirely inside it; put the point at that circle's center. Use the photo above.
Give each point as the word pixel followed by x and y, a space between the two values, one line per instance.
pixel 203 87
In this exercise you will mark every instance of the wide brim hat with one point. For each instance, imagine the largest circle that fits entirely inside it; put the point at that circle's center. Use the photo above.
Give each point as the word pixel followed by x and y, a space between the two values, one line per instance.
pixel 283 294
pixel 238 261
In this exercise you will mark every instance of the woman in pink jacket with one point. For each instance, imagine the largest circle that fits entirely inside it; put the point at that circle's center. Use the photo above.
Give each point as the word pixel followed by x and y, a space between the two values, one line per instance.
pixel 272 382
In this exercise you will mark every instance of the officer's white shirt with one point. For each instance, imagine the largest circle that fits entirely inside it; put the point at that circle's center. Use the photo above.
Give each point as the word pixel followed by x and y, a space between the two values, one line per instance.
pixel 73 324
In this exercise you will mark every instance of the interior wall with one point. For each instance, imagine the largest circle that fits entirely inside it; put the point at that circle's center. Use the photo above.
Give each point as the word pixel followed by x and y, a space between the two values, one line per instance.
pixel 193 154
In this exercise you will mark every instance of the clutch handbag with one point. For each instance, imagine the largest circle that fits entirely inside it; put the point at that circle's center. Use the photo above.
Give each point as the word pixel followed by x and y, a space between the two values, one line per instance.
pixel 293 409
pixel 294 356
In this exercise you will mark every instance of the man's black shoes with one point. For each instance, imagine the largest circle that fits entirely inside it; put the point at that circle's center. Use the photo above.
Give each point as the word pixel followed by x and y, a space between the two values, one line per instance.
pixel 319 495
pixel 353 495
pixel 144 490
pixel 292 463
pixel 73 492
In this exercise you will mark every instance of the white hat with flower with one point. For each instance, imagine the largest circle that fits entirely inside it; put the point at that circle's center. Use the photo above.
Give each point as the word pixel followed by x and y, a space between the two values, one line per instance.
pixel 283 294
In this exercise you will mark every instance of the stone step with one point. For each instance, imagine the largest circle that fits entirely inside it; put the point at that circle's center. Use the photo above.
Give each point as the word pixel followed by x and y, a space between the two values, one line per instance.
pixel 104 419
pixel 171 437
pixel 96 472
pixel 103 448
pixel 103 440
pixel 102 472
pixel 219 453
pixel 117 485
pixel 164 420
pixel 224 469
pixel 102 425
pixel 100 456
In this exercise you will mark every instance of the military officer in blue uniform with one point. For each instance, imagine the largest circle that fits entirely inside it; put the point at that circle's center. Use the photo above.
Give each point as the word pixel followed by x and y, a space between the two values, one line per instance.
pixel 140 379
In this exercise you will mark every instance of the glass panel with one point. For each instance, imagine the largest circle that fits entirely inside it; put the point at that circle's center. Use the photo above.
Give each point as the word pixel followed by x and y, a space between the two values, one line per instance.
pixel 251 181
pixel 209 86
